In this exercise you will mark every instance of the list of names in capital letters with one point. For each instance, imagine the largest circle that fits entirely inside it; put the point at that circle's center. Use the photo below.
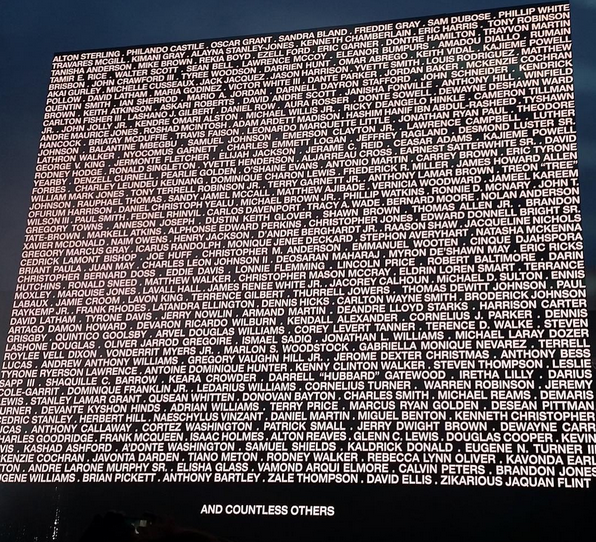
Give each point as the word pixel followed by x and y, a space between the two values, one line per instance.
pixel 335 256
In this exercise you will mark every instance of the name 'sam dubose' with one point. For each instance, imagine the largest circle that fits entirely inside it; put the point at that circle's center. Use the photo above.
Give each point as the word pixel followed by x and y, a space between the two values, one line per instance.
pixel 268 510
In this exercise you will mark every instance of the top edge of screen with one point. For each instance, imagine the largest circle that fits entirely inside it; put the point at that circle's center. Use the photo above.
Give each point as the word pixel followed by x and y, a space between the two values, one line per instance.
pixel 318 28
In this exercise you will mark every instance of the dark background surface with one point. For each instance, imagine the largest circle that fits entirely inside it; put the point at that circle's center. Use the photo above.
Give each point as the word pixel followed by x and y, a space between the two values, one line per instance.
pixel 362 513
pixel 30 32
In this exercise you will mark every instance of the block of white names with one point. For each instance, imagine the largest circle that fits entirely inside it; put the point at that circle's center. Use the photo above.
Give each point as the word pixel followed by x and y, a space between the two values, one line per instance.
pixel 350 255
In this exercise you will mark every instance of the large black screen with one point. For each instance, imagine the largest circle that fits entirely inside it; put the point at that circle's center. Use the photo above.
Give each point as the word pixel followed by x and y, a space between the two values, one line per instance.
pixel 340 256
